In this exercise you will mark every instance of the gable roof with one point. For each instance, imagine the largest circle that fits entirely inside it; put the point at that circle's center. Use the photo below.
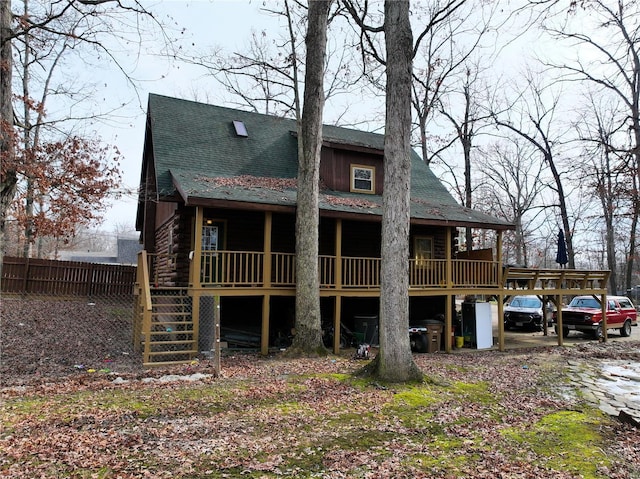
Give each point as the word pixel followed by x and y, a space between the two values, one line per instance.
pixel 198 158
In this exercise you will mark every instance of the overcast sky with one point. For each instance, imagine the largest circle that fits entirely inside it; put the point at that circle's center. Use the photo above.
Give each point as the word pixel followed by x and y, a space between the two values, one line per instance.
pixel 222 23
pixel 226 24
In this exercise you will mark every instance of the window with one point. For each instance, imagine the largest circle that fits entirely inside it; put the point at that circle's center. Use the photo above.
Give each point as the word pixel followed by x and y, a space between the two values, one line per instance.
pixel 422 249
pixel 363 179
pixel 209 238
pixel 241 129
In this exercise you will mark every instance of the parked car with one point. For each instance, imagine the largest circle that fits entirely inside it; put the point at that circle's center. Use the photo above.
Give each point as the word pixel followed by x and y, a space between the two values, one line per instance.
pixel 584 313
pixel 524 312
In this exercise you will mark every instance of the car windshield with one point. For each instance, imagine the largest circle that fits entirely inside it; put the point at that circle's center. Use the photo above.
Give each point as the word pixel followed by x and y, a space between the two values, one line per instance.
pixel 584 303
pixel 525 303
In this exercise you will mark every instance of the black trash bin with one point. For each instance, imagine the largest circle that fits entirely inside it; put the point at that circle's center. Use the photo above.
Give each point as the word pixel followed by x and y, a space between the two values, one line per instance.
pixel 365 329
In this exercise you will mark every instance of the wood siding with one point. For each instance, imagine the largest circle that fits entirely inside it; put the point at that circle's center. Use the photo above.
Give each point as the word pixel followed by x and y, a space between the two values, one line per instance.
pixel 335 168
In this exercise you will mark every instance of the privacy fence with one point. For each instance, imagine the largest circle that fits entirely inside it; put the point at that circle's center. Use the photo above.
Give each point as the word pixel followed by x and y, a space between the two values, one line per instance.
pixel 66 278
pixel 60 318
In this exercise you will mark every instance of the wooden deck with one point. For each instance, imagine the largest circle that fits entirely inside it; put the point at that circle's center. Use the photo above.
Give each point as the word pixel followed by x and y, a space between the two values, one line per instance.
pixel 242 273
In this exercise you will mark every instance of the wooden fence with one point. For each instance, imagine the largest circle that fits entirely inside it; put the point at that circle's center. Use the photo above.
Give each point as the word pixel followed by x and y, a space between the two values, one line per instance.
pixel 66 278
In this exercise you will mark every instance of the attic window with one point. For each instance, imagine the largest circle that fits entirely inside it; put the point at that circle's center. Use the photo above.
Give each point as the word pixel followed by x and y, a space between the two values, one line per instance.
pixel 363 179
pixel 241 130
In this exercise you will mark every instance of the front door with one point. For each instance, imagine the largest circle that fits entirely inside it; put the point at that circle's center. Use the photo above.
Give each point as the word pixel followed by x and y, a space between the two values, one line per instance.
pixel 212 241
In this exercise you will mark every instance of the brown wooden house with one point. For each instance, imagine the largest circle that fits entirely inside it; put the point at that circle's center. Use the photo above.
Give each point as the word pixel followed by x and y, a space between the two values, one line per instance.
pixel 216 214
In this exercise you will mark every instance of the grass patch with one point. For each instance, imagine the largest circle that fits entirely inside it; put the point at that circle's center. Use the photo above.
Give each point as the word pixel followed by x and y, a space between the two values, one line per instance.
pixel 570 440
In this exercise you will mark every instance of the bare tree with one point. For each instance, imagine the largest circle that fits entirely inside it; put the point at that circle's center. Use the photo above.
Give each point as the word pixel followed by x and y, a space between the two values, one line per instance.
pixel 607 171
pixel 512 186
pixel 608 57
pixel 395 362
pixel 50 21
pixel 267 75
pixel 308 338
pixel 444 55
pixel 8 176
pixel 532 117
pixel 467 127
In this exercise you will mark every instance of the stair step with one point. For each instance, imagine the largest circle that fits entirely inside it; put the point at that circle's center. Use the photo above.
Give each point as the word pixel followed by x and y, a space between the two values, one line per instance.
pixel 172 353
pixel 166 363
pixel 159 321
pixel 187 331
pixel 158 343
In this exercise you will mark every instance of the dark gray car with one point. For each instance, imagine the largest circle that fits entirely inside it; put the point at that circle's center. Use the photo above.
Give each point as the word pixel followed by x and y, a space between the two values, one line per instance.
pixel 524 312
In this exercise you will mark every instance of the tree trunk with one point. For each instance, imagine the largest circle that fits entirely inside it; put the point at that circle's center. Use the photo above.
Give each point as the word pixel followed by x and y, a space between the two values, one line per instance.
pixel 308 337
pixel 8 177
pixel 394 362
pixel 632 239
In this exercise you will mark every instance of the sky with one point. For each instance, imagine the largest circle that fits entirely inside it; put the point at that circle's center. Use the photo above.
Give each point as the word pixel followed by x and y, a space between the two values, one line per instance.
pixel 208 23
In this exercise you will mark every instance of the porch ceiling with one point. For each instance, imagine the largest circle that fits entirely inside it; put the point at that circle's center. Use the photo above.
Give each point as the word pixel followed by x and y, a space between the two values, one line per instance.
pixel 196 188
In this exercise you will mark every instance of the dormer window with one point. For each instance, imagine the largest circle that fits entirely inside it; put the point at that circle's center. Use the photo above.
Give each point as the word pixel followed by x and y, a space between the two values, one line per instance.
pixel 363 179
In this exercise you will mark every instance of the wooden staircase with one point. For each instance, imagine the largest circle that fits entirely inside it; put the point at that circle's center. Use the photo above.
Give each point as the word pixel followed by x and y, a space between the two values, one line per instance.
pixel 164 330
pixel 168 331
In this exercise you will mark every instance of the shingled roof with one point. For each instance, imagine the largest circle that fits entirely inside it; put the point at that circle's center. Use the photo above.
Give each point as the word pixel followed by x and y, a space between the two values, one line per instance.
pixel 198 157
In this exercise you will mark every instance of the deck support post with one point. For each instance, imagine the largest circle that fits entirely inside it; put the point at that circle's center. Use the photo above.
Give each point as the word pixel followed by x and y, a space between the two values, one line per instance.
pixel 266 281
pixel 559 319
pixel 603 304
pixel 338 283
pixel 449 298
pixel 264 335
pixel 501 322
pixel 501 283
pixel 337 311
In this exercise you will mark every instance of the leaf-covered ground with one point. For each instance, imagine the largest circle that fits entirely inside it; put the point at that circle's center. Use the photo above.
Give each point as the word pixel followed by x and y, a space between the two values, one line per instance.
pixel 478 415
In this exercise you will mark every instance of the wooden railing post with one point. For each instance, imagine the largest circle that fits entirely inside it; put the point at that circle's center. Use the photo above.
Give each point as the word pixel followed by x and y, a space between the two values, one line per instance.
pixel 145 303
pixel 196 254
pixel 266 270
pixel 338 283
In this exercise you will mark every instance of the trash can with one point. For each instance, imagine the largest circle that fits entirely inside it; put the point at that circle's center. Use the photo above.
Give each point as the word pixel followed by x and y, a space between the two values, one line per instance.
pixel 366 329
pixel 434 335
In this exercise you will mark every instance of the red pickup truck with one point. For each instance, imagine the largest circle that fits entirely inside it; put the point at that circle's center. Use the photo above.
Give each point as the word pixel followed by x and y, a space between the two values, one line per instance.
pixel 584 313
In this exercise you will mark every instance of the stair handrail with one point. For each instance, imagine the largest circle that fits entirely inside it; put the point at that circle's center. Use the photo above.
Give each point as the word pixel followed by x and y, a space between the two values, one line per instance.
pixel 143 280
pixel 144 290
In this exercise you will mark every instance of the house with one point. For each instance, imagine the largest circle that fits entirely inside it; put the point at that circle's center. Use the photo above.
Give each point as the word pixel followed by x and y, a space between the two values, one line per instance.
pixel 127 250
pixel 216 214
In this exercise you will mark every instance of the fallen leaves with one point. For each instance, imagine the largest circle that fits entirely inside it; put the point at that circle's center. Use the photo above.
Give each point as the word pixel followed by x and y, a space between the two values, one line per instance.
pixel 273 417
pixel 248 181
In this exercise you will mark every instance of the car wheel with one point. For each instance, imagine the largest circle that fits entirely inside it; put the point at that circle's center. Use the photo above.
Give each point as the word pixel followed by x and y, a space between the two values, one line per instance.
pixel 625 330
pixel 565 331
pixel 422 345
pixel 597 333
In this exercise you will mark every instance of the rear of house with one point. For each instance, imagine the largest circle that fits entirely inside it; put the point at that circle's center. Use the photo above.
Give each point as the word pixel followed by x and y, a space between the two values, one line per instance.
pixel 217 212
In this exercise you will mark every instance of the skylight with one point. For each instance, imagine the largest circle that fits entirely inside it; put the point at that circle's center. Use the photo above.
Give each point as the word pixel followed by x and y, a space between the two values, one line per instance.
pixel 241 130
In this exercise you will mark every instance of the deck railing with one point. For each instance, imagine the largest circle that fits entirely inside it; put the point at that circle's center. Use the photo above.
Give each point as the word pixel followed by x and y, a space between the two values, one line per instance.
pixel 232 268
pixel 245 268
pixel 427 273
pixel 475 273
